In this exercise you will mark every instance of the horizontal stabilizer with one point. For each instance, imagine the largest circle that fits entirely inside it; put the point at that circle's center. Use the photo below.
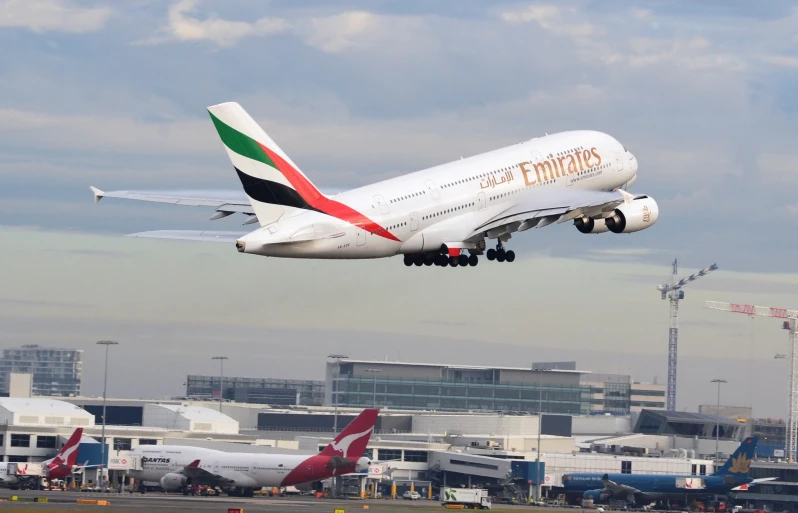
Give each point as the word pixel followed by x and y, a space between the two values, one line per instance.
pixel 198 235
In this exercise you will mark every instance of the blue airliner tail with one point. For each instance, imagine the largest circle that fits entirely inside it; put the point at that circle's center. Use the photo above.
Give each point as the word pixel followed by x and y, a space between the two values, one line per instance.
pixel 738 463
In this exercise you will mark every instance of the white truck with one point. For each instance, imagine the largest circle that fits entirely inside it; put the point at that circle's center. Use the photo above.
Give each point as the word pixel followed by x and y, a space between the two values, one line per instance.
pixel 468 497
pixel 27 469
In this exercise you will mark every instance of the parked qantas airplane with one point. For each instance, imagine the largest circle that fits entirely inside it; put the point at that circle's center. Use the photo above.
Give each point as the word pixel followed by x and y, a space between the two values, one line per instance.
pixel 60 466
pixel 441 215
pixel 177 466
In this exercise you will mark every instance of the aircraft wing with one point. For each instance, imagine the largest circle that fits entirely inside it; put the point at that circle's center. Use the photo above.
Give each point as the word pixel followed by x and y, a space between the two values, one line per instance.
pixel 189 198
pixel 618 489
pixel 202 476
pixel 559 206
pixel 198 235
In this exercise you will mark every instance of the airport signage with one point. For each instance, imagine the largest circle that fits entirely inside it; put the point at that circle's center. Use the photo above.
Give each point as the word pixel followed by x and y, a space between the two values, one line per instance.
pixel 122 463
pixel 778 453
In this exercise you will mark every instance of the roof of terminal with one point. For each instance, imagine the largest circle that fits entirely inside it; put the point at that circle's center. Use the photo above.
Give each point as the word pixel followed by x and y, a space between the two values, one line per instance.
pixel 42 406
pixel 197 413
pixel 453 366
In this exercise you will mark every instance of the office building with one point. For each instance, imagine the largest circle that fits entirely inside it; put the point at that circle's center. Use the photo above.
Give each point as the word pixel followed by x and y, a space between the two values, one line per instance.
pixel 55 372
pixel 280 392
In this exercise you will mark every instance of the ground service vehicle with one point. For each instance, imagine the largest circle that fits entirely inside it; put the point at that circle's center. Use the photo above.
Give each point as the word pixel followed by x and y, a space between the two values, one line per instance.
pixel 468 497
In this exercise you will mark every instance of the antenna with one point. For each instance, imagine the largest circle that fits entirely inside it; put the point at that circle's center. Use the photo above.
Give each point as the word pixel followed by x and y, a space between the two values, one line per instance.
pixel 673 292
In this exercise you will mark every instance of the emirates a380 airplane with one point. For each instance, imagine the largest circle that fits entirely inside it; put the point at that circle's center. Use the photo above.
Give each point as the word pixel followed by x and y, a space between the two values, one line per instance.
pixel 441 215
pixel 177 466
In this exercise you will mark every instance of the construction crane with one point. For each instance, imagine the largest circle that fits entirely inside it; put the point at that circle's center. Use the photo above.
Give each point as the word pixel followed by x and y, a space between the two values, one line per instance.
pixel 673 292
pixel 790 317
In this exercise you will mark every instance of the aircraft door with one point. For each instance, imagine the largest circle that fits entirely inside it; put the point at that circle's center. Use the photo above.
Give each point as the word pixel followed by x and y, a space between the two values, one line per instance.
pixel 413 221
pixel 432 190
pixel 361 236
pixel 481 201
pixel 619 161
pixel 382 203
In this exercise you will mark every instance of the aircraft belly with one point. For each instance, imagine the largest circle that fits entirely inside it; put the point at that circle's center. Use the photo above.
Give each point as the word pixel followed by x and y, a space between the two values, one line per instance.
pixel 345 247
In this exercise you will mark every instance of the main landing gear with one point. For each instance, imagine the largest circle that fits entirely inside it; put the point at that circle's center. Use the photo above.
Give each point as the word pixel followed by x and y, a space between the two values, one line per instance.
pixel 441 260
pixel 499 254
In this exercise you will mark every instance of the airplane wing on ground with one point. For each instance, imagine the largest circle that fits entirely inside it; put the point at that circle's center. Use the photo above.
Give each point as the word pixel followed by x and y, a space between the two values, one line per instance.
pixel 619 489
pixel 557 206
pixel 201 476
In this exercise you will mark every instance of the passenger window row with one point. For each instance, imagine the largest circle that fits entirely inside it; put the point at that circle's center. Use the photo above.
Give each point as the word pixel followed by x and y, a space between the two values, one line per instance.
pixel 408 196
pixel 392 227
pixel 476 177
pixel 448 211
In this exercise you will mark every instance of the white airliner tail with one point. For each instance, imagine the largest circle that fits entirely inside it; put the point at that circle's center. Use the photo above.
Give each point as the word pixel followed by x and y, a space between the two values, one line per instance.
pixel 274 184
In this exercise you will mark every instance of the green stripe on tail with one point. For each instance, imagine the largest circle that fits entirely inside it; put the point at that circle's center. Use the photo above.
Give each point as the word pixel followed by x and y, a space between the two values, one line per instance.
pixel 241 143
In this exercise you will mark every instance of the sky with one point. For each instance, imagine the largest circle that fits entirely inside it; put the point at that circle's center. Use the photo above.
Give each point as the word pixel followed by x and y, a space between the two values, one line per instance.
pixel 113 95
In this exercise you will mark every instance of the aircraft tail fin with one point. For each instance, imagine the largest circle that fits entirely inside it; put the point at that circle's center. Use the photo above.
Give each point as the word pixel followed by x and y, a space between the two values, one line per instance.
pixel 738 463
pixel 352 441
pixel 68 455
pixel 274 184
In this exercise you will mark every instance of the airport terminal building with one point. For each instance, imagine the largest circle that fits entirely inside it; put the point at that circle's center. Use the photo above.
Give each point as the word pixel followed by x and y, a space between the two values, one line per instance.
pixel 554 387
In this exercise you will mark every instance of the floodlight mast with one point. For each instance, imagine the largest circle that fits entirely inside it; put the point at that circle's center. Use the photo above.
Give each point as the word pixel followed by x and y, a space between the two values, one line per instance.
pixel 790 318
pixel 674 293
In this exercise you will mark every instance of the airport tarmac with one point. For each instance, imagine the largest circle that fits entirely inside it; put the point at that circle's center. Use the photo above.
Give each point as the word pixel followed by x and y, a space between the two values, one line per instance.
pixel 162 503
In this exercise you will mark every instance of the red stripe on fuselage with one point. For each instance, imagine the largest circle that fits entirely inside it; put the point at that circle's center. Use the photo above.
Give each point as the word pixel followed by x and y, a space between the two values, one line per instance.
pixel 322 203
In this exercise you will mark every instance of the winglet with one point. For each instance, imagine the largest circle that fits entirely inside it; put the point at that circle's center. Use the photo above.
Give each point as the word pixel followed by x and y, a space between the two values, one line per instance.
pixel 98 194
pixel 193 464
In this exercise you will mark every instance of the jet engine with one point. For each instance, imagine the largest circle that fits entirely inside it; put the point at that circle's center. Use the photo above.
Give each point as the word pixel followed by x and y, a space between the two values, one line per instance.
pixel 362 464
pixel 641 213
pixel 589 225
pixel 597 496
pixel 171 482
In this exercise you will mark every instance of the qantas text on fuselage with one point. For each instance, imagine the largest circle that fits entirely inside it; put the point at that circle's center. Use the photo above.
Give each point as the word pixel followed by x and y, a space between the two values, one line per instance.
pixel 446 215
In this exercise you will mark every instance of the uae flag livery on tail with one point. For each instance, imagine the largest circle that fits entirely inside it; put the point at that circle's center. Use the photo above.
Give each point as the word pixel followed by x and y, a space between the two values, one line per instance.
pixel 273 183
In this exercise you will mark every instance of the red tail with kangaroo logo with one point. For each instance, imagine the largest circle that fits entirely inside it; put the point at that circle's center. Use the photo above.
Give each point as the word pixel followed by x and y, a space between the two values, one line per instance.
pixel 351 442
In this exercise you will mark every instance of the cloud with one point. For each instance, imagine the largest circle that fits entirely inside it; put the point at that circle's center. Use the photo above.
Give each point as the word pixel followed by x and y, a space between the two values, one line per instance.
pixel 184 27
pixel 781 60
pixel 51 15
pixel 335 34
pixel 549 18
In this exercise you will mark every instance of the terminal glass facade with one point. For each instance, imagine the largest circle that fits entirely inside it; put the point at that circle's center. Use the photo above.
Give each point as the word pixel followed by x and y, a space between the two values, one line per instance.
pixel 441 395
pixel 283 392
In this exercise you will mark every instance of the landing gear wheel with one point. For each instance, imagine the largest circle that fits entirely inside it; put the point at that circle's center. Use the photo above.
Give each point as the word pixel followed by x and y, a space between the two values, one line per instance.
pixel 441 260
pixel 454 261
pixel 444 261
pixel 491 254
pixel 500 255
pixel 473 260
pixel 419 260
pixel 428 260
pixel 408 260
pixel 462 260
pixel 510 255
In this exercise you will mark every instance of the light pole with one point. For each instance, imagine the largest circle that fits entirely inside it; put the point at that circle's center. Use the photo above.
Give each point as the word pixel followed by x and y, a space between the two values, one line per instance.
pixel 540 427
pixel 334 394
pixel 107 344
pixel 221 378
pixel 374 396
pixel 334 390
pixel 717 413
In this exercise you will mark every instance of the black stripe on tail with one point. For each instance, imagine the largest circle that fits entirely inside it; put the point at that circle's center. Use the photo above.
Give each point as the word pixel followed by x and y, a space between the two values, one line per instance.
pixel 266 191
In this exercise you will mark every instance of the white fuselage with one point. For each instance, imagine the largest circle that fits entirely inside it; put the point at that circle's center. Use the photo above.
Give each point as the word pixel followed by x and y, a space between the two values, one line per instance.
pixel 450 201
pixel 249 470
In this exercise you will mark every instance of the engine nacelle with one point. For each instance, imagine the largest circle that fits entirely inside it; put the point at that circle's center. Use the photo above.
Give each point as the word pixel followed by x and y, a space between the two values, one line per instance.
pixel 588 225
pixel 173 482
pixel 597 496
pixel 362 464
pixel 638 215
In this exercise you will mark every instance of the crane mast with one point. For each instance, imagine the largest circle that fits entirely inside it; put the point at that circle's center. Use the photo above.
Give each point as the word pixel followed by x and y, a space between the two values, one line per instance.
pixel 673 293
pixel 790 317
